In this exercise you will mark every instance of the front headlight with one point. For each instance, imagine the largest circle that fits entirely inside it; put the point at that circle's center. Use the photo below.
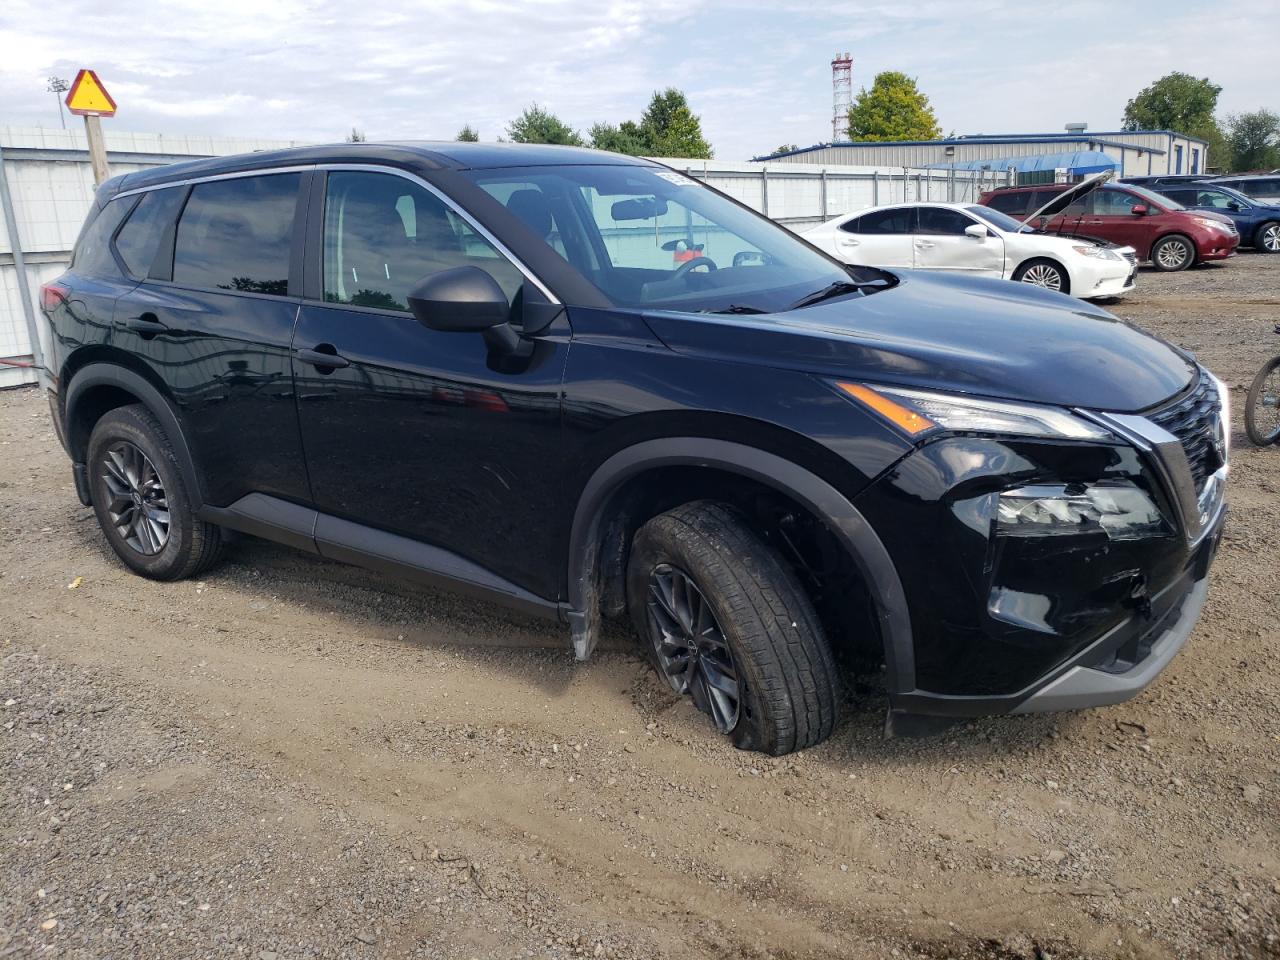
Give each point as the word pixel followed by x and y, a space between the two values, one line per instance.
pixel 1215 224
pixel 1115 507
pixel 1098 253
pixel 920 412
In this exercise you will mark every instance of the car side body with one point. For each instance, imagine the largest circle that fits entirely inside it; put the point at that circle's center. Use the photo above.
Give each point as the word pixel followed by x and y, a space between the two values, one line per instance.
pixel 1257 221
pixel 971 240
pixel 483 367
pixel 1130 215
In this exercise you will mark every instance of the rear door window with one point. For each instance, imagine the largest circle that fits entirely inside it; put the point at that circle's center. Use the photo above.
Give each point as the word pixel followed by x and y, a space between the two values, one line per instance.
pixel 899 220
pixel 139 238
pixel 235 234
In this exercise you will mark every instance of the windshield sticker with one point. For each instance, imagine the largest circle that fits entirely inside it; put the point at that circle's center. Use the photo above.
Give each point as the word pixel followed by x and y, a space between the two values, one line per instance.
pixel 679 179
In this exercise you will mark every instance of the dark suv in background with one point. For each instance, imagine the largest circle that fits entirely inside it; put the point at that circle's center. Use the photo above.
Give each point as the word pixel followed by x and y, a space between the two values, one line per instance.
pixel 1159 229
pixel 1263 187
pixel 482 367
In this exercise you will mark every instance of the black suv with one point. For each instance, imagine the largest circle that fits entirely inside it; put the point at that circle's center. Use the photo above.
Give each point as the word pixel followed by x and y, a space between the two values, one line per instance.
pixel 499 369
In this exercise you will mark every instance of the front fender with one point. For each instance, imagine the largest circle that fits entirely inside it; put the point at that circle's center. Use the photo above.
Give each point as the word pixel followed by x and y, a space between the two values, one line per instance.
pixel 808 489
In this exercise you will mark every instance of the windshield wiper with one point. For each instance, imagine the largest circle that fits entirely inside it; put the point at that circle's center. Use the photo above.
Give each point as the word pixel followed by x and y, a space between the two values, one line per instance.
pixel 739 308
pixel 839 288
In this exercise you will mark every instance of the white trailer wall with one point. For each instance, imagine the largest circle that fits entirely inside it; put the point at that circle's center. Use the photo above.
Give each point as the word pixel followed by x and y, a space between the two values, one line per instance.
pixel 50 186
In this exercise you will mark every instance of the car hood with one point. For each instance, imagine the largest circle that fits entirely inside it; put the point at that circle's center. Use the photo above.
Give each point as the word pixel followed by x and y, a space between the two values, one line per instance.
pixel 990 338
pixel 1060 201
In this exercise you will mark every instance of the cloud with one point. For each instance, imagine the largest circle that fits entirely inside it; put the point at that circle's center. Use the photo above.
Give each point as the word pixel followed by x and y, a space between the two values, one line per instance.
pixel 757 71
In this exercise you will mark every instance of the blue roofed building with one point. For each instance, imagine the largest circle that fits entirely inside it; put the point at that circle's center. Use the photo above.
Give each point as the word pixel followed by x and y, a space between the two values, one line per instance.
pixel 1129 153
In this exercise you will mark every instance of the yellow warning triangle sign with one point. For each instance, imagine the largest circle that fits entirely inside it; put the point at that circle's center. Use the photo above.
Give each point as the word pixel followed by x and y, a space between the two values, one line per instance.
pixel 89 96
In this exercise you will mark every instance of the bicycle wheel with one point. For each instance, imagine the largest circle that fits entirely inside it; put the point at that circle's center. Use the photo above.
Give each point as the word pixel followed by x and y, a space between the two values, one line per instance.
pixel 1262 410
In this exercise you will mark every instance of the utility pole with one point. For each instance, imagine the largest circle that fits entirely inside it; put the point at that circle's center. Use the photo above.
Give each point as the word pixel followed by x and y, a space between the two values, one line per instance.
pixel 57 86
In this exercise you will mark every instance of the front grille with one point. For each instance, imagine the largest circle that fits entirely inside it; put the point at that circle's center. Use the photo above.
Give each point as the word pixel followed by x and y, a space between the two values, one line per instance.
pixel 1130 256
pixel 1194 419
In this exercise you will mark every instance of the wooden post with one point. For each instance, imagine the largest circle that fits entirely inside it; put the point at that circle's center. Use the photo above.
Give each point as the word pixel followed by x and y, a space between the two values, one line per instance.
pixel 97 148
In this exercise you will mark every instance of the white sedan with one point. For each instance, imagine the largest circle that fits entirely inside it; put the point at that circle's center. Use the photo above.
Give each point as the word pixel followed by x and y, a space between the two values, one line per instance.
pixel 974 240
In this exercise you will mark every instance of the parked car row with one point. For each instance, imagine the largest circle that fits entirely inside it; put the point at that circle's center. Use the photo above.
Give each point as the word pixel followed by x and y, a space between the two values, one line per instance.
pixel 1084 239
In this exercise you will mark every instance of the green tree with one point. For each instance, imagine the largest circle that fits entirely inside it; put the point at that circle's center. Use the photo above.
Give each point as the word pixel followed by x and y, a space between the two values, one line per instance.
pixel 893 109
pixel 468 134
pixel 356 136
pixel 1253 140
pixel 626 137
pixel 670 129
pixel 785 148
pixel 1178 102
pixel 536 125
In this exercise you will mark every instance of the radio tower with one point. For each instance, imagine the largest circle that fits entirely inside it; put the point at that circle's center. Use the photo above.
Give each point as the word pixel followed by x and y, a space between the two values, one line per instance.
pixel 841 96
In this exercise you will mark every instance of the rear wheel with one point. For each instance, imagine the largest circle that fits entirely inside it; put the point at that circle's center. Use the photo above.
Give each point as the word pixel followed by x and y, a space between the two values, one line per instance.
pixel 1044 273
pixel 726 622
pixel 1262 409
pixel 141 501
pixel 1174 253
pixel 1267 238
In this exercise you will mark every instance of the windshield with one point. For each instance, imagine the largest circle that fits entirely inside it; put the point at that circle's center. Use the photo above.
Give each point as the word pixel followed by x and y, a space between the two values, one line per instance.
pixel 651 237
pixel 1152 197
pixel 997 219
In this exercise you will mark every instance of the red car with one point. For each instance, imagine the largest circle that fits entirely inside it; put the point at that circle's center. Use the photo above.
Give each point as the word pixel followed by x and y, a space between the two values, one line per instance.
pixel 1161 230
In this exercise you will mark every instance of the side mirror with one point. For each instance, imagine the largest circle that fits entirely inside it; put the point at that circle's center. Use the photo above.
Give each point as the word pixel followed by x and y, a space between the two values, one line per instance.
pixel 464 299
pixel 1234 205
pixel 976 230
pixel 1139 209
pixel 468 300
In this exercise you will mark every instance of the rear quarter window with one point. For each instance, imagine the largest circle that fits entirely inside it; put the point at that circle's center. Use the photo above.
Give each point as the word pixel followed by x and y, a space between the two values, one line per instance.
pixel 139 238
pixel 92 254
pixel 235 234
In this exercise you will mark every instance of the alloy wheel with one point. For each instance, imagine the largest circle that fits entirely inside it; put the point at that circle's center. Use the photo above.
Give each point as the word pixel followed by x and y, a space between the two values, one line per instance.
pixel 1271 238
pixel 1173 255
pixel 1043 275
pixel 137 505
pixel 691 647
pixel 1266 410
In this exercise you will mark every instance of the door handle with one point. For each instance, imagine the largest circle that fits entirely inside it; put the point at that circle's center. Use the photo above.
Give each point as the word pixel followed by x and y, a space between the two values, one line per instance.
pixel 849 242
pixel 324 355
pixel 924 244
pixel 147 325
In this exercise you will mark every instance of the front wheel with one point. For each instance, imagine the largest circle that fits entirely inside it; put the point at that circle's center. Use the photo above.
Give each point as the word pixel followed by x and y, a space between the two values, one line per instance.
pixel 1171 254
pixel 1044 273
pixel 727 623
pixel 1262 409
pixel 1267 238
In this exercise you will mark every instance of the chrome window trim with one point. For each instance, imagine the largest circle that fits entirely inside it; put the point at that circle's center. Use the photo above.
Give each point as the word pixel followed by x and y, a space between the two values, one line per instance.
pixel 366 168
pixel 234 175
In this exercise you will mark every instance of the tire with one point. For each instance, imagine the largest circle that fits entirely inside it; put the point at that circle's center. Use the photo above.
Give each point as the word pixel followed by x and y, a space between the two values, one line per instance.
pixel 1266 239
pixel 1262 409
pixel 1173 253
pixel 1045 273
pixel 749 618
pixel 141 499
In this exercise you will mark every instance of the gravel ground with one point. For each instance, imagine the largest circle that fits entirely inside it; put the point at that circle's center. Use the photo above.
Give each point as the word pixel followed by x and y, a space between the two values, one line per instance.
pixel 291 758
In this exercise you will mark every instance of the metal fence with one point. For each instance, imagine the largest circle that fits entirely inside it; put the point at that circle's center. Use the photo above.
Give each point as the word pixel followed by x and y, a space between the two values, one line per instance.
pixel 46 188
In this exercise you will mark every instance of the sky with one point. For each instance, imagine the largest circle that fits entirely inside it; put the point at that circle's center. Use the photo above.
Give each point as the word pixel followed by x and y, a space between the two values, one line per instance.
pixel 757 72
